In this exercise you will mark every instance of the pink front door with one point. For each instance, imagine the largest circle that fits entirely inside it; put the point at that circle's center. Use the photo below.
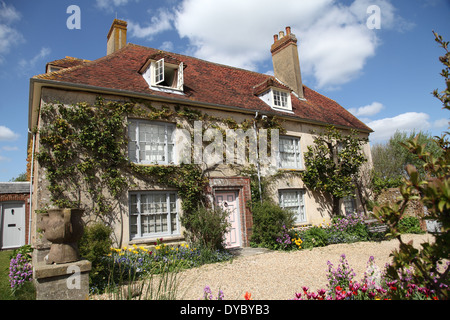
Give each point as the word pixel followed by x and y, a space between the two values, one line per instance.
pixel 228 201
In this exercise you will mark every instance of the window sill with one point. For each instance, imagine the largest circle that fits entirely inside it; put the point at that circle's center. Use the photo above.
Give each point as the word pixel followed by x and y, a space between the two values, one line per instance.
pixel 154 164
pixel 167 89
pixel 152 240
pixel 290 170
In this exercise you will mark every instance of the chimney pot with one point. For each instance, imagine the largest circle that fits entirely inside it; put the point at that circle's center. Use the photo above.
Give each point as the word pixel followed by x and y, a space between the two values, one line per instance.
pixel 275 38
pixel 117 36
pixel 286 64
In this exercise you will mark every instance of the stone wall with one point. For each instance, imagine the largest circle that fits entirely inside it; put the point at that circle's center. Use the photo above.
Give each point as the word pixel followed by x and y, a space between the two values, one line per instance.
pixel 414 209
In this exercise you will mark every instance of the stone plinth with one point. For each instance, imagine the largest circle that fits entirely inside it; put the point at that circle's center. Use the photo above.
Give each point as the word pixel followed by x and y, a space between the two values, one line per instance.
pixel 67 281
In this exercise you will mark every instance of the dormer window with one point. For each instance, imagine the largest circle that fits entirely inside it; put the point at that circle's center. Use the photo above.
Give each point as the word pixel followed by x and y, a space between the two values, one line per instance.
pixel 280 99
pixel 277 99
pixel 165 74
pixel 275 94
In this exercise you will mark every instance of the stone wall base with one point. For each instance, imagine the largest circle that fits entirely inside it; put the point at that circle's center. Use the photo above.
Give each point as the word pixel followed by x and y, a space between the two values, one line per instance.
pixel 68 281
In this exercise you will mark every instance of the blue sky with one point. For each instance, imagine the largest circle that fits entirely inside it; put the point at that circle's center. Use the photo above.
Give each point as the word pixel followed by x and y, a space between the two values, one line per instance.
pixel 383 75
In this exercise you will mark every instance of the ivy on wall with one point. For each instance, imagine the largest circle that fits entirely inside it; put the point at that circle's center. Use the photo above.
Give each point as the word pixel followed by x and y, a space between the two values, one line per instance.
pixel 83 149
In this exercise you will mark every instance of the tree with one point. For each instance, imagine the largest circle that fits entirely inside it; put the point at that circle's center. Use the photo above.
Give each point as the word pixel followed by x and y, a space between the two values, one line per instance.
pixel 390 159
pixel 333 163
pixel 20 178
pixel 433 190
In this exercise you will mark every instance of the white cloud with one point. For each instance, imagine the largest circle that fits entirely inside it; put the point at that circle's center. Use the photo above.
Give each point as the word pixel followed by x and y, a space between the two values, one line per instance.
pixel 158 23
pixel 408 122
pixel 2 158
pixel 166 46
pixel 109 5
pixel 9 36
pixel 334 41
pixel 7 134
pixel 8 14
pixel 441 123
pixel 25 65
pixel 8 148
pixel 367 111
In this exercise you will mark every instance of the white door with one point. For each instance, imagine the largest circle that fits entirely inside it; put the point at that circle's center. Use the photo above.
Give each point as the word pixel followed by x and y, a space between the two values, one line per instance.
pixel 13 225
pixel 229 202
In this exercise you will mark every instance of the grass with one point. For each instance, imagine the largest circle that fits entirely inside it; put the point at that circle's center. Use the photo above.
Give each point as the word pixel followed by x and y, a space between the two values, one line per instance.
pixel 5 289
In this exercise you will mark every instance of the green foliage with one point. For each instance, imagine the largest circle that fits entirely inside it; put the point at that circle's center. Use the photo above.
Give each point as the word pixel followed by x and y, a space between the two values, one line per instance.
pixel 208 227
pixel 269 221
pixel 433 190
pixel 314 237
pixel 409 225
pixel 333 163
pixel 94 245
pixel 390 159
pixel 20 178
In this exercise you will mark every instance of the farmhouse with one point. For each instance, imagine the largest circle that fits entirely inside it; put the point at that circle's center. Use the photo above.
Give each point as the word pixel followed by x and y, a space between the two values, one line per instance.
pixel 172 94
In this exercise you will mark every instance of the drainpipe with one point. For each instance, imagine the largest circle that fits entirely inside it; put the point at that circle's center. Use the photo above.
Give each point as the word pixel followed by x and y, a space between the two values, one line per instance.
pixel 31 186
pixel 258 169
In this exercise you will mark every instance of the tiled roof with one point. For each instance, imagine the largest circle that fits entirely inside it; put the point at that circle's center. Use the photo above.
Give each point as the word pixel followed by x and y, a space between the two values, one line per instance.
pixel 14 187
pixel 204 82
pixel 67 62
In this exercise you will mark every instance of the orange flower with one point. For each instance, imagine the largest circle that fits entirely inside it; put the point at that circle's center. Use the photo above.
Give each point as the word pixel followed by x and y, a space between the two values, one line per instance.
pixel 247 296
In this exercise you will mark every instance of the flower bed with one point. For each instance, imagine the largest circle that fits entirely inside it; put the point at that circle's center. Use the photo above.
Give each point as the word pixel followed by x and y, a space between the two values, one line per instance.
pixel 132 263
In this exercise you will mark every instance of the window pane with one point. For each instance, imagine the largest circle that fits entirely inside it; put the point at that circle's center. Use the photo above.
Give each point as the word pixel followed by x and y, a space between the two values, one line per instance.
pixel 133 225
pixel 289 153
pixel 293 201
pixel 154 143
pixel 154 209
pixel 280 98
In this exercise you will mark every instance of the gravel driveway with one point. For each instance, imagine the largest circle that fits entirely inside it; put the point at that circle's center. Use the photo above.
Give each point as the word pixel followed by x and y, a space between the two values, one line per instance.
pixel 278 275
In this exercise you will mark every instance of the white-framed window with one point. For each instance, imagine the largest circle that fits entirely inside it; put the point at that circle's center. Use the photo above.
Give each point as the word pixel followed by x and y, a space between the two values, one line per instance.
pixel 280 99
pixel 165 76
pixel 277 99
pixel 153 214
pixel 151 142
pixel 294 201
pixel 289 155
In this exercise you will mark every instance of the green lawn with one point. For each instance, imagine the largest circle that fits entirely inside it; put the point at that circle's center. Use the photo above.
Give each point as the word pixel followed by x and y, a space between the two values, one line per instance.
pixel 5 291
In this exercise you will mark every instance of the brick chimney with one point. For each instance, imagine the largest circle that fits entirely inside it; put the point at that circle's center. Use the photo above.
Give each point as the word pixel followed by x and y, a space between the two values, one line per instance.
pixel 117 36
pixel 286 65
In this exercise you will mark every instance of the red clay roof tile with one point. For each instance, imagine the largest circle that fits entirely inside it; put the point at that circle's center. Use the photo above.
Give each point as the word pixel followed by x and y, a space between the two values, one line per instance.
pixel 204 82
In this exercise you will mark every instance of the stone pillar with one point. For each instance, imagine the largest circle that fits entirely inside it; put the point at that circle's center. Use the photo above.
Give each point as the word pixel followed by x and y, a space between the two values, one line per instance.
pixel 66 281
pixel 58 272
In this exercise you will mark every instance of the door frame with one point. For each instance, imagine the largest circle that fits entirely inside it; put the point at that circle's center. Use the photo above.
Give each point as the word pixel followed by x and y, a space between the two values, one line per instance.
pixel 22 205
pixel 238 214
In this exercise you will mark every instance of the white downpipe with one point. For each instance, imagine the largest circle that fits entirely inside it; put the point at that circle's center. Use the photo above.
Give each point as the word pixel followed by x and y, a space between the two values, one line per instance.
pixel 31 188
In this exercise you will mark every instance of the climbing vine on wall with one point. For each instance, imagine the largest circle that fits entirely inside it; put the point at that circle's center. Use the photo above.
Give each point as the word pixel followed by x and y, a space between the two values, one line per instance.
pixel 83 150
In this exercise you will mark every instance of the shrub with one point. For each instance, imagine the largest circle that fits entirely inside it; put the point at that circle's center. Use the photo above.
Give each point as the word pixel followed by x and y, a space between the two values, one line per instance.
pixel 269 219
pixel 314 237
pixel 207 227
pixel 94 245
pixel 348 229
pixel 409 225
